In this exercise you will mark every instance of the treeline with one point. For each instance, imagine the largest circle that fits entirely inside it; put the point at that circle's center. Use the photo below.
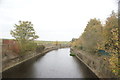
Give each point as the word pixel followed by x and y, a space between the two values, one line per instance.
pixel 98 36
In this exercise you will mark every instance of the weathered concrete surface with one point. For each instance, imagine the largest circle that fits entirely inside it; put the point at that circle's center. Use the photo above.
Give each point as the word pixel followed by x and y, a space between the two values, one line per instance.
pixel 10 60
pixel 97 64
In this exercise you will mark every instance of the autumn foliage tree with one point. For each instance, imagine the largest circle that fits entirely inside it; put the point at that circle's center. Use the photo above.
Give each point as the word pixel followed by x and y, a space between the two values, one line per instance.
pixel 102 37
pixel 24 33
pixel 111 41
pixel 111 33
pixel 92 35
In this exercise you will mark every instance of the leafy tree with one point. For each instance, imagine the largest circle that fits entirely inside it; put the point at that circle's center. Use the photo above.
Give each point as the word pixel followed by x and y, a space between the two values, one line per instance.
pixel 92 35
pixel 25 35
pixel 111 34
pixel 111 22
pixel 97 36
pixel 24 31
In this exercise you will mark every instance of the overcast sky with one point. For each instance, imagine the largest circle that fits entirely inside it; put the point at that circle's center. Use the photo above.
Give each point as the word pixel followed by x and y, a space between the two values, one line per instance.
pixel 53 19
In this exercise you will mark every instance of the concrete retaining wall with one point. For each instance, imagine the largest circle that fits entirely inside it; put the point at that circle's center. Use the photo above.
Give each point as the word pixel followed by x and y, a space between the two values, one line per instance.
pixel 96 64
pixel 12 60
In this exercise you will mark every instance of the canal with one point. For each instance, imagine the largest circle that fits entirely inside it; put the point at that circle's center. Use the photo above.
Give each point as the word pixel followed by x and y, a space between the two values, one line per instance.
pixel 54 64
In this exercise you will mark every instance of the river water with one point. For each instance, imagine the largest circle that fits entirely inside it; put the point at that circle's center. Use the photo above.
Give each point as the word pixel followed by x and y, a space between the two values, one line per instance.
pixel 54 64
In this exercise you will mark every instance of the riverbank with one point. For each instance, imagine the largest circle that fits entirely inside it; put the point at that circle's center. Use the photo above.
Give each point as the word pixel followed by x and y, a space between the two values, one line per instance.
pixel 55 64
pixel 9 63
pixel 97 65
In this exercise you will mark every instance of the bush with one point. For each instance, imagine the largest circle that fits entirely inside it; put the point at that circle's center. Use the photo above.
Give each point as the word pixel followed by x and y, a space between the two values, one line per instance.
pixel 27 47
pixel 72 54
pixel 40 48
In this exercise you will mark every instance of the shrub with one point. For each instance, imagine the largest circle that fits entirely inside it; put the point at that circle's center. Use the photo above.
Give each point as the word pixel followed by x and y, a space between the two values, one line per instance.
pixel 72 54
pixel 40 48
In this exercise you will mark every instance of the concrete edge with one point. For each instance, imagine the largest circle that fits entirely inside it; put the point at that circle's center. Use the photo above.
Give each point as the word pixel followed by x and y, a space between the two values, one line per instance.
pixel 45 51
pixel 88 67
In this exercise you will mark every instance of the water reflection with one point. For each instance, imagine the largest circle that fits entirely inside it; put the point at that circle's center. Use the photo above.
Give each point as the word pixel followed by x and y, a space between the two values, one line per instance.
pixel 55 64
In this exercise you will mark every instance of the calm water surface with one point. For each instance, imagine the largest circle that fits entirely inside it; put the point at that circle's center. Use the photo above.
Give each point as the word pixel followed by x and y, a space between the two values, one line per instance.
pixel 55 64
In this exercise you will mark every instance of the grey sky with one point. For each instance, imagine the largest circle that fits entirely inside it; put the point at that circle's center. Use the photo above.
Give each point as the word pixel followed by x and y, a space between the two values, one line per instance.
pixel 53 19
